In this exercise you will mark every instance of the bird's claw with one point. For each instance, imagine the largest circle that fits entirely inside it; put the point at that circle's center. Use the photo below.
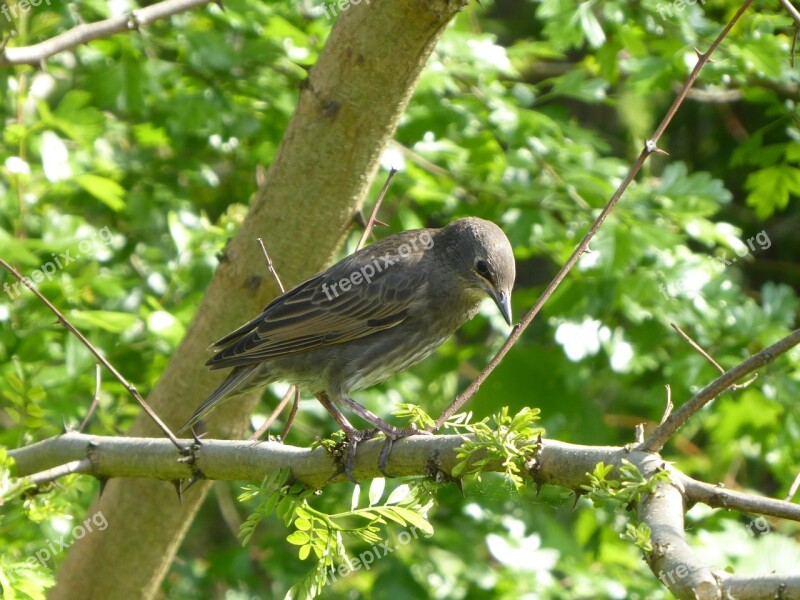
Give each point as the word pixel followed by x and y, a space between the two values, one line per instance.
pixel 383 459
pixel 354 438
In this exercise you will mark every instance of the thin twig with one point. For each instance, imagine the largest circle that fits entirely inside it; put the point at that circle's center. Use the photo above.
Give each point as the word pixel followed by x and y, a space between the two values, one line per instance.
pixel 282 404
pixel 83 465
pixel 275 413
pixel 638 433
pixel 292 413
pixel 128 386
pixel 675 421
pixel 793 488
pixel 793 12
pixel 269 265
pixel 374 215
pixel 696 346
pixel 421 161
pixel 708 357
pixel 568 188
pixel 97 381
pixel 717 496
pixel 669 407
pixel 650 147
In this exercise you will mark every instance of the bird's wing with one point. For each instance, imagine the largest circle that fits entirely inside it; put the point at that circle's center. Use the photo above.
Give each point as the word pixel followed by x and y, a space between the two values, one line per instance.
pixel 312 315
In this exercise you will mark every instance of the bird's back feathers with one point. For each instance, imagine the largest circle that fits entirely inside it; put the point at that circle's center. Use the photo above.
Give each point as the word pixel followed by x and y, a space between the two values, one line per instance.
pixel 319 313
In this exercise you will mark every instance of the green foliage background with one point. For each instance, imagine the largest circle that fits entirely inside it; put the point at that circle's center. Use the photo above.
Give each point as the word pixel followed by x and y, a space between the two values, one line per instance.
pixel 139 153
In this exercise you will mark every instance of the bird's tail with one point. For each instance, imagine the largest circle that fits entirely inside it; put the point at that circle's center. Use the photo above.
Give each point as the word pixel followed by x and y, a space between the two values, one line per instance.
pixel 235 379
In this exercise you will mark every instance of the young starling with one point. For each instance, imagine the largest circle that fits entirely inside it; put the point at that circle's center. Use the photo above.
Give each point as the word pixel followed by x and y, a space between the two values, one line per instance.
pixel 369 316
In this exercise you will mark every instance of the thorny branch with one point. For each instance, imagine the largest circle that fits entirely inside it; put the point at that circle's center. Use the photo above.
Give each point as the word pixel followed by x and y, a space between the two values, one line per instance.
pixel 556 463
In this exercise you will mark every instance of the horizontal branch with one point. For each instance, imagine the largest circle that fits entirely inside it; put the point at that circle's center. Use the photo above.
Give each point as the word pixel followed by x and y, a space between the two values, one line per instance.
pixel 85 33
pixel 156 458
pixel 717 496
pixel 557 463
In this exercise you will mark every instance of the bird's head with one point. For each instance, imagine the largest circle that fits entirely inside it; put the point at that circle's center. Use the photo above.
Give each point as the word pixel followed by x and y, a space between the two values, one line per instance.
pixel 485 260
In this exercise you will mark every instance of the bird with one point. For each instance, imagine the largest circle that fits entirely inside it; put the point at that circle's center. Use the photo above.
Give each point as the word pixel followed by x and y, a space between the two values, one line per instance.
pixel 371 315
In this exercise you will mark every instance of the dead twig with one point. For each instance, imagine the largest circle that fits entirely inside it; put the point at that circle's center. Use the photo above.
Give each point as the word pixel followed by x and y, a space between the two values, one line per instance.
pixel 708 357
pixel 97 381
pixel 373 217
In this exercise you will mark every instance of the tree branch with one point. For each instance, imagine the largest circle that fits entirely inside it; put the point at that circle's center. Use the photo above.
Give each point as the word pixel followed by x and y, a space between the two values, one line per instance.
pixel 793 12
pixel 672 560
pixel 678 567
pixel 85 33
pixel 676 420
pixel 558 463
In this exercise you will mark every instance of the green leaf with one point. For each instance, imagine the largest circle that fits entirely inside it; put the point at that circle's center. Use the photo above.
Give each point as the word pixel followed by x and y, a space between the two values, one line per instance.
pixel 304 551
pixel 107 191
pixel 414 519
pixel 302 524
pixel 771 187
pixel 113 322
pixel 398 494
pixel 376 488
pixel 298 538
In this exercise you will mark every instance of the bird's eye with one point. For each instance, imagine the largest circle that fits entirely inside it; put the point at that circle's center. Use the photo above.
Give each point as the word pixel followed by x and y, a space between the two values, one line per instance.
pixel 482 267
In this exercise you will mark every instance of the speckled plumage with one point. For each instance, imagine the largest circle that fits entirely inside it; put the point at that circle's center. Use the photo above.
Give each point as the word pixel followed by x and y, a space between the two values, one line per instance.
pixel 330 340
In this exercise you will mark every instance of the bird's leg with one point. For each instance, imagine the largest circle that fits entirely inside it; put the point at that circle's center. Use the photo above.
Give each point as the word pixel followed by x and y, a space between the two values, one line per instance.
pixel 392 433
pixel 369 416
pixel 354 436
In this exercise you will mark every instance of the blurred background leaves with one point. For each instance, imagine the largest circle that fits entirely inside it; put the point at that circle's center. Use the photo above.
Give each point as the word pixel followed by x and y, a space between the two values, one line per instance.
pixel 138 154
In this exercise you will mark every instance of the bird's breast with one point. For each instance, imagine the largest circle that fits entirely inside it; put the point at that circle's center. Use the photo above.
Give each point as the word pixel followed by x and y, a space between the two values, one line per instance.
pixel 396 349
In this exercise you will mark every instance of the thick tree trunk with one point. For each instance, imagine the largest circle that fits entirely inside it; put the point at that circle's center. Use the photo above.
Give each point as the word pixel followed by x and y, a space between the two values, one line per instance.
pixel 346 114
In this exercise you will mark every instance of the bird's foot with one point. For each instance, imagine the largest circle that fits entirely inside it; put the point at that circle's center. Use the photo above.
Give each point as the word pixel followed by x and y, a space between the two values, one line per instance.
pixel 391 438
pixel 348 461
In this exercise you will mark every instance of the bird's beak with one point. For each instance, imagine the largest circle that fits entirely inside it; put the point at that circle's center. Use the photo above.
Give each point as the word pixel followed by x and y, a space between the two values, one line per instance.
pixel 503 302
